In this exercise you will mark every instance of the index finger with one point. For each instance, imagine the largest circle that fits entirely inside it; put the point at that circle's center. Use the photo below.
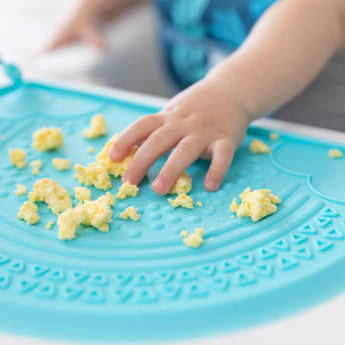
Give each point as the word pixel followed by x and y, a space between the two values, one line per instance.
pixel 133 134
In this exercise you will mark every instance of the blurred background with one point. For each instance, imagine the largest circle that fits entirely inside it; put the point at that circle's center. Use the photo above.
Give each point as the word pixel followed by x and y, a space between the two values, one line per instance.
pixel 132 60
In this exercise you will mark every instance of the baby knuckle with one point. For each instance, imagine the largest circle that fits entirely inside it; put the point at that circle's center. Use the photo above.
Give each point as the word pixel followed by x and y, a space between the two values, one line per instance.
pixel 187 146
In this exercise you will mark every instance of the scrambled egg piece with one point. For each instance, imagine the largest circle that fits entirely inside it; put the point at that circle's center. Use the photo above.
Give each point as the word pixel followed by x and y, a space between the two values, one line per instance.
pixel 28 212
pixel 93 175
pixel 183 185
pixel 257 146
pixel 335 153
pixel 127 190
pixel 17 157
pixel 46 139
pixel 49 191
pixel 131 213
pixel 199 203
pixel 256 204
pixel 49 225
pixel 114 168
pixel 90 149
pixel 21 190
pixel 97 127
pixel 35 166
pixel 182 200
pixel 82 194
pixel 96 213
pixel 193 240
pixel 61 163
pixel 274 136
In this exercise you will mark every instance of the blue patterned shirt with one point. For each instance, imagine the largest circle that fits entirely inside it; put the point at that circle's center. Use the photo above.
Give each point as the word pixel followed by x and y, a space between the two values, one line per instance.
pixel 197 34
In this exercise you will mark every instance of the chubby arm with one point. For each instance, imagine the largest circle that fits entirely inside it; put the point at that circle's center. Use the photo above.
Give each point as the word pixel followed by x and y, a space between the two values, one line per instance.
pixel 284 52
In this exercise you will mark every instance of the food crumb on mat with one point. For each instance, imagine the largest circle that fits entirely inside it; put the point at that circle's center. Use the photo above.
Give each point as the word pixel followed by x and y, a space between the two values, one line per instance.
pixel 21 190
pixel 257 146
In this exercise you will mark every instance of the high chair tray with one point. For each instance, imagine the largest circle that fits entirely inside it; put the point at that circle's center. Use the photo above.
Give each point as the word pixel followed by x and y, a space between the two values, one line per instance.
pixel 139 281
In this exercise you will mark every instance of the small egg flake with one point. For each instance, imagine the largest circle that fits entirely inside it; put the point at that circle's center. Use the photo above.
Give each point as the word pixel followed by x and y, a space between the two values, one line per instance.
pixel 274 136
pixel 194 240
pixel 82 193
pixel 127 190
pixel 183 185
pixel 90 149
pixel 61 163
pixel 28 212
pixel 21 190
pixel 49 191
pixel 97 127
pixel 184 233
pixel 17 158
pixel 182 200
pixel 256 204
pixel 49 225
pixel 116 169
pixel 47 139
pixel 35 166
pixel 200 204
pixel 93 175
pixel 130 213
pixel 257 146
pixel 335 153
pixel 96 213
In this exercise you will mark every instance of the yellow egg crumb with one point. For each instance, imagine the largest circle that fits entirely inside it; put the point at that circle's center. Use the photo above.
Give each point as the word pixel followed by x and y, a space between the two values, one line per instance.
pixel 17 157
pixel 49 225
pixel 194 240
pixel 49 191
pixel 183 185
pixel 182 200
pixel 93 175
pixel 256 204
pixel 28 212
pixel 21 190
pixel 97 127
pixel 274 136
pixel 184 233
pixel 199 203
pixel 46 139
pixel 82 194
pixel 130 213
pixel 127 190
pixel 114 168
pixel 257 146
pixel 96 213
pixel 335 153
pixel 90 149
pixel 61 163
pixel 35 166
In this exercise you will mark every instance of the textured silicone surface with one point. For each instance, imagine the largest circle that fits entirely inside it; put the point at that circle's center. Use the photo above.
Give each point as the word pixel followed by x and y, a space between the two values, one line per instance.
pixel 139 282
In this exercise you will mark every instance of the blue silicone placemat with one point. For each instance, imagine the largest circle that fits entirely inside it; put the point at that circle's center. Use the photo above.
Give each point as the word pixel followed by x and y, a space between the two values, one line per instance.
pixel 139 282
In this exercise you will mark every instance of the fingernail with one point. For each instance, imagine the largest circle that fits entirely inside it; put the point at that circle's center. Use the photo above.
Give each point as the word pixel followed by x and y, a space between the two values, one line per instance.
pixel 212 185
pixel 114 155
pixel 127 178
pixel 158 185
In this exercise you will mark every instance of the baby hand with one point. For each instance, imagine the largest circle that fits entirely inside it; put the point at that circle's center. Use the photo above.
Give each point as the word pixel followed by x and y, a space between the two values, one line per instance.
pixel 203 121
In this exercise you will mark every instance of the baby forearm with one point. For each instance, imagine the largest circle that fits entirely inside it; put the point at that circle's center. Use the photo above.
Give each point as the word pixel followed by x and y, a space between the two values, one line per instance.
pixel 284 52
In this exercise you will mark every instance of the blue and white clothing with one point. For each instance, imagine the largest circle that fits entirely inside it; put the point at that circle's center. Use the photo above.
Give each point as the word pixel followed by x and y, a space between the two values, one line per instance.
pixel 197 34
